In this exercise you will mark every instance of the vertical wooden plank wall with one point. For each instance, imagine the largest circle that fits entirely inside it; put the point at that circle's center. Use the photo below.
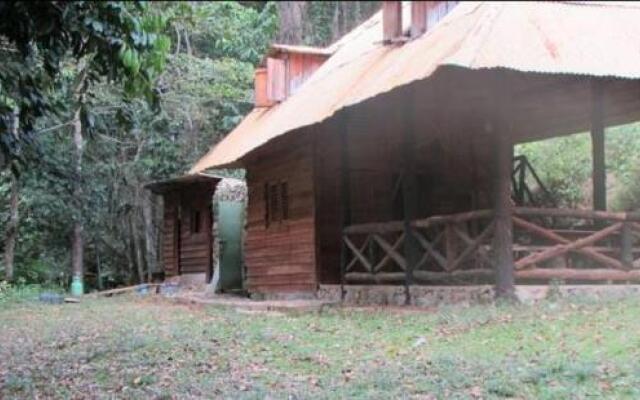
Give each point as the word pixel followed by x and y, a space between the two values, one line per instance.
pixel 169 235
pixel 280 257
pixel 195 248
pixel 301 67
pixel 451 159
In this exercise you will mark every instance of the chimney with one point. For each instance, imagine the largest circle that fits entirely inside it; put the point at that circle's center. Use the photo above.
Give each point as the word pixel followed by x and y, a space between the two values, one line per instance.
pixel 419 11
pixel 391 20
pixel 260 88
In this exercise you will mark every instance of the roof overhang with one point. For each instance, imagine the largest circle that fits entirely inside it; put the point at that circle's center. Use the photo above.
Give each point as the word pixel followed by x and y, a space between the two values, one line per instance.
pixel 181 182
pixel 542 38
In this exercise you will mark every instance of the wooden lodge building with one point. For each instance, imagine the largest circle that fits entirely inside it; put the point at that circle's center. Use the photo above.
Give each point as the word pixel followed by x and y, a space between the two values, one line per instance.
pixel 387 158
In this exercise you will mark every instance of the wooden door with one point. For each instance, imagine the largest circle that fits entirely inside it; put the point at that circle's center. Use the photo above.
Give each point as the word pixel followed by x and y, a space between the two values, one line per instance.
pixel 196 234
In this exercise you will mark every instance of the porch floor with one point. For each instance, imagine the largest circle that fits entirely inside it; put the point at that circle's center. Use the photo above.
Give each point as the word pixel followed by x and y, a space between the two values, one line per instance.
pixel 245 304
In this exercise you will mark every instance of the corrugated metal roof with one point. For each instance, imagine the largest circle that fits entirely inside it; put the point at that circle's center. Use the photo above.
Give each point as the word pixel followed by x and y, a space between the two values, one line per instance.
pixel 599 40
pixel 166 185
pixel 320 51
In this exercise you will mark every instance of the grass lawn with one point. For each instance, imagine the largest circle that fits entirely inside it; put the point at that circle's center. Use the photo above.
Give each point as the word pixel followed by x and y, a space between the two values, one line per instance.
pixel 152 348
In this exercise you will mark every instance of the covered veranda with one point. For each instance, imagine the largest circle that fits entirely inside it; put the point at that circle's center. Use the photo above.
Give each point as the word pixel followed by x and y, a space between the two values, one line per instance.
pixel 455 205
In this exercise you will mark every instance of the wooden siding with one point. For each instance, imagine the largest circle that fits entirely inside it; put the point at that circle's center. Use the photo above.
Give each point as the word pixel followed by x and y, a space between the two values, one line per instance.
pixel 280 257
pixel 196 247
pixel 170 235
pixel 185 251
pixel 452 161
pixel 300 68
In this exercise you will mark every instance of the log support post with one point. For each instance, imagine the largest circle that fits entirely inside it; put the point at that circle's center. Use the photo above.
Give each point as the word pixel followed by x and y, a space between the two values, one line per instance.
pixel 409 196
pixel 626 253
pixel 599 176
pixel 345 195
pixel 503 207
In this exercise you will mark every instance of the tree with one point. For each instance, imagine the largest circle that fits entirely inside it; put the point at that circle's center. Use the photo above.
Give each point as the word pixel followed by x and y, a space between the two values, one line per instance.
pixel 37 38
pixel 109 41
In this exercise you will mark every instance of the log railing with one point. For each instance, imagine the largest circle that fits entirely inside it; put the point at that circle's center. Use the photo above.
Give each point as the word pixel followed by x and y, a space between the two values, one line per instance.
pixel 575 246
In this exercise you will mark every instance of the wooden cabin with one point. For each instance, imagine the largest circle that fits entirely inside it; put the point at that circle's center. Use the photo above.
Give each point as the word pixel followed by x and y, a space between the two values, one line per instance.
pixel 187 226
pixel 202 230
pixel 393 161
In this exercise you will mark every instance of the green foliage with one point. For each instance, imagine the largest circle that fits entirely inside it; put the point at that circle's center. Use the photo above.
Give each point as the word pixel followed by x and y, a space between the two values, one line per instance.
pixel 564 165
pixel 21 292
pixel 327 21
pixel 201 95
pixel 120 42
pixel 229 30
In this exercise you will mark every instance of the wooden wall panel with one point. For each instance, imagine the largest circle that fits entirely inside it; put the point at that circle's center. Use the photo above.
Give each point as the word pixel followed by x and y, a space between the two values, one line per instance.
pixel 451 159
pixel 280 257
pixel 196 247
pixel 301 67
pixel 169 236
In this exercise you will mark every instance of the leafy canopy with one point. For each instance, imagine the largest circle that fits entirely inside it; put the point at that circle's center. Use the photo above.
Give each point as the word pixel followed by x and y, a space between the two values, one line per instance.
pixel 120 41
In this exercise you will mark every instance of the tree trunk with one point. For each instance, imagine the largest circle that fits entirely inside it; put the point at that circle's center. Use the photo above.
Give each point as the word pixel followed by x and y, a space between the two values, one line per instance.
pixel 137 248
pixel 149 234
pixel 12 231
pixel 291 16
pixel 12 225
pixel 503 208
pixel 129 248
pixel 77 243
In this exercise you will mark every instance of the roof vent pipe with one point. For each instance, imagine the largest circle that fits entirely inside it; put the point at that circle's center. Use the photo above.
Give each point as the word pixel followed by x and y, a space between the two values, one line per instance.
pixel 391 20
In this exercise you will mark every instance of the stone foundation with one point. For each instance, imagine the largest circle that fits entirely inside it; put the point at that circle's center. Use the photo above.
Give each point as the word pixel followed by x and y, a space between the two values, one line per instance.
pixel 193 280
pixel 433 296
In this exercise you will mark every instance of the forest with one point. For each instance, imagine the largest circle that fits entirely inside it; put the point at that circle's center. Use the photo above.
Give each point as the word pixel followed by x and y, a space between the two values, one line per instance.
pixel 98 99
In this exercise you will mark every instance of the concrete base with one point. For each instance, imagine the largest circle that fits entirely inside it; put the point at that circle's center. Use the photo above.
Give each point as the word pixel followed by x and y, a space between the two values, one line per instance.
pixel 288 296
pixel 249 305
pixel 193 279
pixel 433 296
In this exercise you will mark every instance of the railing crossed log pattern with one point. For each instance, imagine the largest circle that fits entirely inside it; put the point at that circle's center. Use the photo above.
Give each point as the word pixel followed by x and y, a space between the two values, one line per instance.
pixel 548 244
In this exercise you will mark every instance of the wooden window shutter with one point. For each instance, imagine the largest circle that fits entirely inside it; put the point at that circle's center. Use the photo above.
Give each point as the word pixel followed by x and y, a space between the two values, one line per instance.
pixel 276 79
pixel 284 194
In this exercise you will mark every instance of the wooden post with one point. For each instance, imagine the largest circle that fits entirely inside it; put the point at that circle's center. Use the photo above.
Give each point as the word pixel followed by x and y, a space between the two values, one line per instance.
pixel 345 194
pixel 409 195
pixel 626 244
pixel 450 245
pixel 599 176
pixel 503 209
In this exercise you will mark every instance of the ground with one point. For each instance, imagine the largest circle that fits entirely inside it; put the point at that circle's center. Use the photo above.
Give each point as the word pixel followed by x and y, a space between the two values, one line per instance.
pixel 132 347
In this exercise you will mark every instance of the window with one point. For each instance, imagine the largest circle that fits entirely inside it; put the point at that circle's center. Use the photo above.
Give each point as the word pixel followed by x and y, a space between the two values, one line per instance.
pixel 284 200
pixel 273 203
pixel 196 222
pixel 276 202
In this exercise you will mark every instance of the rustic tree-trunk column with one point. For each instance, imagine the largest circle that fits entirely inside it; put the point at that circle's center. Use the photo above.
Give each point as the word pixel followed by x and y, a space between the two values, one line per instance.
pixel 502 204
pixel 409 196
pixel 599 175
pixel 503 240
pixel 626 245
pixel 345 197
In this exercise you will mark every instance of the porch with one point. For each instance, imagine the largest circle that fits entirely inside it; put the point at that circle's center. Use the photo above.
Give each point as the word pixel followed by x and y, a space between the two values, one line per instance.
pixel 549 244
